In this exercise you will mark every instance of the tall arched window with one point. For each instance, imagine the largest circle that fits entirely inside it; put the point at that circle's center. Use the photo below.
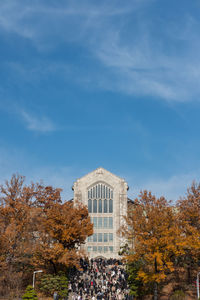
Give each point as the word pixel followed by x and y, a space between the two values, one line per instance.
pixel 100 199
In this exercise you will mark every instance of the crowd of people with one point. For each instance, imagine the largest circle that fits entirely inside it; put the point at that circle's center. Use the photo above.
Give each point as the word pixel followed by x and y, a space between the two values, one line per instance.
pixel 99 279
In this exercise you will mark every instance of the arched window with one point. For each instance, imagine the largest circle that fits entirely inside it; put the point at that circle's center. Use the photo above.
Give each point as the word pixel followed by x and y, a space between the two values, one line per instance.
pixel 100 199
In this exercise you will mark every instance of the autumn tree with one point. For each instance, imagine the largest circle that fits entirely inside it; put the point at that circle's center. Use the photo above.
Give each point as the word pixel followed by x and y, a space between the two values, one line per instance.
pixel 62 229
pixel 21 211
pixel 16 230
pixel 154 238
pixel 188 211
pixel 37 229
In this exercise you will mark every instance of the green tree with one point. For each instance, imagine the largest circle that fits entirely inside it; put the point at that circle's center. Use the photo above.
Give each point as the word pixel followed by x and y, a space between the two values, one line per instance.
pixel 30 294
pixel 137 287
pixel 50 283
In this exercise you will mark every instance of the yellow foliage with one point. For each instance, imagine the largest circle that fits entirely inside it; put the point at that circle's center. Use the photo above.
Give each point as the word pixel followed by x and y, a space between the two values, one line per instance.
pixel 157 234
pixel 37 228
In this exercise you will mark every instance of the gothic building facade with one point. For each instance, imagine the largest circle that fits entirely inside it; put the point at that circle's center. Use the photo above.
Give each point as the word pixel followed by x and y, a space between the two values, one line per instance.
pixel 105 195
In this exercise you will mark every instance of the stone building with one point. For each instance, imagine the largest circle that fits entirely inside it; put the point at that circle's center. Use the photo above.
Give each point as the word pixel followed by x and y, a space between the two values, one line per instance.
pixel 105 194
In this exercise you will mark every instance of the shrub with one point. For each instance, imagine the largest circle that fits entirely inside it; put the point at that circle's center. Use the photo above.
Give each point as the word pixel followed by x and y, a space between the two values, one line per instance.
pixel 50 283
pixel 30 294
pixel 178 295
pixel 137 288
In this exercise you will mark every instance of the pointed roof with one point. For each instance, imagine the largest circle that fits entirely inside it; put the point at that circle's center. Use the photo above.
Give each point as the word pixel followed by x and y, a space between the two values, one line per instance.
pixel 100 170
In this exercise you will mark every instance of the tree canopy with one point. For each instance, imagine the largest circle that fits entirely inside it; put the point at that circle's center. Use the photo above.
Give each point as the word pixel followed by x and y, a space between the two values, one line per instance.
pixel 158 236
pixel 38 230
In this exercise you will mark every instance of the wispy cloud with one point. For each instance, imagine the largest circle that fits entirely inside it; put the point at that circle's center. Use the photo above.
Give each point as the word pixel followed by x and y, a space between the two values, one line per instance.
pixel 26 18
pixel 38 124
pixel 138 56
pixel 145 65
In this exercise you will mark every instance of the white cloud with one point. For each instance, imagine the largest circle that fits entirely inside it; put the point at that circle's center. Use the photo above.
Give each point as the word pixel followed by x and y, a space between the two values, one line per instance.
pixel 136 64
pixel 38 124
pixel 25 18
pixel 141 67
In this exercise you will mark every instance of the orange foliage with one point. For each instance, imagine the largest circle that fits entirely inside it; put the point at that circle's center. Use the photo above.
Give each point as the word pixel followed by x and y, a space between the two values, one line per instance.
pixel 154 235
pixel 62 229
pixel 37 229
pixel 15 222
pixel 188 213
pixel 189 207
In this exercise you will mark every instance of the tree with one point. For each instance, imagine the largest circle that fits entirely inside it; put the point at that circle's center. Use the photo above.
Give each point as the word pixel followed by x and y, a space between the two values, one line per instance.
pixel 155 238
pixel 51 283
pixel 188 211
pixel 62 229
pixel 189 206
pixel 137 287
pixel 30 294
pixel 37 229
pixel 16 230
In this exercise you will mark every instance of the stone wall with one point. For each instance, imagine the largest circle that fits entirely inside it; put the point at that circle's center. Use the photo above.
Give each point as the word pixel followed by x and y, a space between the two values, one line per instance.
pixel 119 187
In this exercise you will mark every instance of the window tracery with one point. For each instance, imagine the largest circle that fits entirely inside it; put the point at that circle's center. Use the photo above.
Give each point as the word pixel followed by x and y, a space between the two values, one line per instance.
pixel 100 199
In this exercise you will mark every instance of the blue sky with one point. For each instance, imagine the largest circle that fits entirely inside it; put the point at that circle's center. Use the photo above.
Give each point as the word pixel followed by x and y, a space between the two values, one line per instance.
pixel 96 83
